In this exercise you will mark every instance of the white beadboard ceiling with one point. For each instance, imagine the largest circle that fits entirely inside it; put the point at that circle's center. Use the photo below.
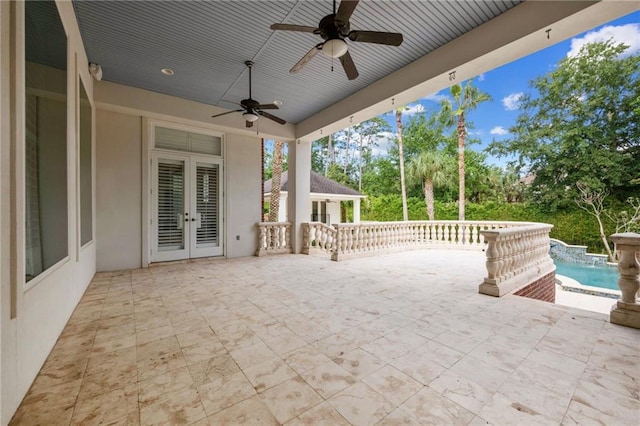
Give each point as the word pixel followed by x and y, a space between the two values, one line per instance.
pixel 207 42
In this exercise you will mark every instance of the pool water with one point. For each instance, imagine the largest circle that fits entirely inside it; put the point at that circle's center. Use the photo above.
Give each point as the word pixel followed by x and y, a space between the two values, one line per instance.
pixel 594 276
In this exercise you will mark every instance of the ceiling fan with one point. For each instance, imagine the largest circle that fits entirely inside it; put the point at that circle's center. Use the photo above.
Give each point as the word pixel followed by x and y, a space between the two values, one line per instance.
pixel 334 29
pixel 252 109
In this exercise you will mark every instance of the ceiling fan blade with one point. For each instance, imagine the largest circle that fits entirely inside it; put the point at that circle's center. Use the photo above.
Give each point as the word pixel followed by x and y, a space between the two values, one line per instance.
pixel 345 10
pixel 291 27
pixel 267 106
pixel 306 58
pixel 349 67
pixel 272 117
pixel 225 113
pixel 391 39
pixel 249 124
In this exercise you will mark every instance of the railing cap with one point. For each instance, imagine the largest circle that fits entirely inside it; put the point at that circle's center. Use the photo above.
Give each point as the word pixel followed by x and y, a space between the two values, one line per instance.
pixel 626 238
pixel 273 223
pixel 516 230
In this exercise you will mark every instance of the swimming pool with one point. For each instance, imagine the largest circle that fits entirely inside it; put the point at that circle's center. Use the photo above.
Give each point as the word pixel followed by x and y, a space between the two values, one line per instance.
pixel 594 276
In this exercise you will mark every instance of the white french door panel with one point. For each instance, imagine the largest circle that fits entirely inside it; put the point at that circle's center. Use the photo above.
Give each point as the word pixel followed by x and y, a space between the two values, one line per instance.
pixel 186 207
pixel 170 203
pixel 206 204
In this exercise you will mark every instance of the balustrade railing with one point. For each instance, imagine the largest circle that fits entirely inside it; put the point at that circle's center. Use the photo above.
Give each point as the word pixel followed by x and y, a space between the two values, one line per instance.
pixel 516 256
pixel 626 311
pixel 317 238
pixel 366 239
pixel 274 237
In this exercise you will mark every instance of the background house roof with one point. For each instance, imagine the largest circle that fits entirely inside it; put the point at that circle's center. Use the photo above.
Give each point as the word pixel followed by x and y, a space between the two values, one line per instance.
pixel 319 185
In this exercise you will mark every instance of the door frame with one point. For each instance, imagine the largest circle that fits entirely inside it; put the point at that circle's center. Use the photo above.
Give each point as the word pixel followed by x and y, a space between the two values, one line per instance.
pixel 148 139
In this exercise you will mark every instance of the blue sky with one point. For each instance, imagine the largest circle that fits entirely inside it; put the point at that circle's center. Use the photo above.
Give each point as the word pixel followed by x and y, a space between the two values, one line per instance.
pixel 493 119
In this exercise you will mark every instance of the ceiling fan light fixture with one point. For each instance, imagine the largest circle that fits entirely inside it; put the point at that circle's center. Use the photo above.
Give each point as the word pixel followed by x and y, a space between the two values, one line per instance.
pixel 250 116
pixel 334 48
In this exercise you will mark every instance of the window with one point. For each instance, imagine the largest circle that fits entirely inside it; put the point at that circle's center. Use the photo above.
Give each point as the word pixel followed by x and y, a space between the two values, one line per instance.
pixel 86 189
pixel 46 215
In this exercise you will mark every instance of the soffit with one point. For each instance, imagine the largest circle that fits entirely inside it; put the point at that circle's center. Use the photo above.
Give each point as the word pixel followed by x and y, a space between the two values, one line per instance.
pixel 206 44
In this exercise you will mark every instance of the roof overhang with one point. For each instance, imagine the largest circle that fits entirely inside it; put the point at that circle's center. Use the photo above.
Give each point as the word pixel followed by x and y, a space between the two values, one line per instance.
pixel 522 30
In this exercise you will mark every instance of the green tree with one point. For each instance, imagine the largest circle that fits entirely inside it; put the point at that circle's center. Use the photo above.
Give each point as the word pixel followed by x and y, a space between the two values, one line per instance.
pixel 581 124
pixel 464 99
pixel 434 169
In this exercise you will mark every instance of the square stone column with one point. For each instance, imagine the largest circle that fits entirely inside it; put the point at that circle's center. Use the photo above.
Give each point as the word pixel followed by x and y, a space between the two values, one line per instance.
pixel 356 210
pixel 299 189
pixel 627 310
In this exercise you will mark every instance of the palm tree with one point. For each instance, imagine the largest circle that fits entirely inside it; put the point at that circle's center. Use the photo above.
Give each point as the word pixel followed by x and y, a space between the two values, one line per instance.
pixel 276 174
pixel 465 99
pixel 435 170
pixel 405 212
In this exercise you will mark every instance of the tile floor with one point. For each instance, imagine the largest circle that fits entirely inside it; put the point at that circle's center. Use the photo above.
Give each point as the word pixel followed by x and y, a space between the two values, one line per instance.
pixel 291 339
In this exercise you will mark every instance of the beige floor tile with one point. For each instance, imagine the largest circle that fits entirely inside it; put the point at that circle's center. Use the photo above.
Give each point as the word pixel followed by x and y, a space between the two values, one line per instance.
pixel 393 384
pixel 322 414
pixel 152 390
pixel 505 410
pixel 251 411
pixel 248 356
pixel 222 365
pixel 431 408
pixel 160 364
pixel 195 337
pixel 224 392
pixel 305 358
pixel 146 336
pixel 290 399
pixel 268 374
pixel 399 416
pixel 609 403
pixel 511 360
pixel 180 407
pixel 359 363
pixel 417 366
pixel 106 407
pixel 361 405
pixel 116 343
pixel 203 351
pixel 327 379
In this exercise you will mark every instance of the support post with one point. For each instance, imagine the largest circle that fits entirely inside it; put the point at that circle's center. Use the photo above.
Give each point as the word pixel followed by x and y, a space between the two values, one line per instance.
pixel 299 189
pixel 627 310
pixel 356 210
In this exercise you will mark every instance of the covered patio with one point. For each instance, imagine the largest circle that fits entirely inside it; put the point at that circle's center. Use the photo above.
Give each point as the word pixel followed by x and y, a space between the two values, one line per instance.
pixel 111 165
pixel 397 339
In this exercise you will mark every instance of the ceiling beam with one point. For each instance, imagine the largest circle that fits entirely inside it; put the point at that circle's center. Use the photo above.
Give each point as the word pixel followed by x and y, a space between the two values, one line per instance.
pixel 512 35
pixel 131 100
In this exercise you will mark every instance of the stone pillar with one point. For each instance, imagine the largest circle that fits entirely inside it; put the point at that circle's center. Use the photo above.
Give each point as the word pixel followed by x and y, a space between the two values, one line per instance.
pixel 627 310
pixel 298 190
pixel 356 210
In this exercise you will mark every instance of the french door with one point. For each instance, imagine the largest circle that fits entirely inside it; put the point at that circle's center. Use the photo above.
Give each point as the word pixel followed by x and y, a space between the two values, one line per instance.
pixel 186 204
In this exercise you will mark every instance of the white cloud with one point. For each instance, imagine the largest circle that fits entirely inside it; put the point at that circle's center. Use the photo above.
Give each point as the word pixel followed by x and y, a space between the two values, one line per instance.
pixel 414 109
pixel 512 101
pixel 481 77
pixel 628 34
pixel 435 97
pixel 499 130
pixel 383 143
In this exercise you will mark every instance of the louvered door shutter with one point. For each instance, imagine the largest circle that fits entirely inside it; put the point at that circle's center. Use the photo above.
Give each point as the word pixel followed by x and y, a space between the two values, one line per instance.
pixel 207 204
pixel 171 209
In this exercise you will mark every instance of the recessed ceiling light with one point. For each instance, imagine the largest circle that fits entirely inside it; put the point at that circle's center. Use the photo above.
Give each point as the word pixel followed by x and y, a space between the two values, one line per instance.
pixel 167 71
pixel 277 103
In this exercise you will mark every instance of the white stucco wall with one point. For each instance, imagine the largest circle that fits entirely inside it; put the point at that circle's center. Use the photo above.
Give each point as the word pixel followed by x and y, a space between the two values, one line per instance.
pixel 243 197
pixel 32 316
pixel 118 190
pixel 120 145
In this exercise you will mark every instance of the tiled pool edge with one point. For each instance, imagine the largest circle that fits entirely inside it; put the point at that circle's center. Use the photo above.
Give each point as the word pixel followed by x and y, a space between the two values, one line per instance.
pixel 569 284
